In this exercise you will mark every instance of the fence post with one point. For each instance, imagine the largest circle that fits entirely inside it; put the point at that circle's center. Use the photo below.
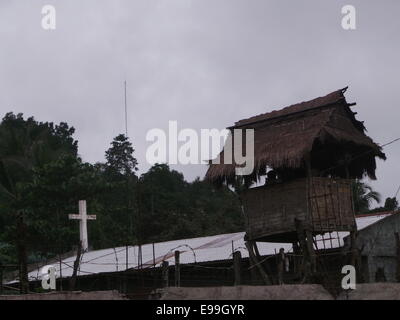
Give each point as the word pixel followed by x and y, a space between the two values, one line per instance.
pixel 237 259
pixel 177 270
pixel 154 256
pixel 281 265
pixel 397 237
pixel 311 253
pixel 61 277
pixel 72 280
pixel 126 257
pixel 305 244
pixel 1 278
pixel 165 265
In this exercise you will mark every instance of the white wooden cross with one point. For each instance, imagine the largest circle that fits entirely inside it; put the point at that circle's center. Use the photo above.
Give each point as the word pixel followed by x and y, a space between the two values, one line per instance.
pixel 83 217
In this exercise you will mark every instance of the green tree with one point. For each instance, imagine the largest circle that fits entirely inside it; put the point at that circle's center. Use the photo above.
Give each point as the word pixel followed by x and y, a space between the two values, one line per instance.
pixel 391 204
pixel 119 200
pixel 24 145
pixel 363 196
pixel 54 192
pixel 162 202
pixel 171 208
pixel 42 178
pixel 120 157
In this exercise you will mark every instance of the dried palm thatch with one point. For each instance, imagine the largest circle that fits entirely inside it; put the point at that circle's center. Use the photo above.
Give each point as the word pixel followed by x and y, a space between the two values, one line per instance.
pixel 323 130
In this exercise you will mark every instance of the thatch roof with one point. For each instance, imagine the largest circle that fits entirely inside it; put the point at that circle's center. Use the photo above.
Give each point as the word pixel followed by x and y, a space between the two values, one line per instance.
pixel 324 128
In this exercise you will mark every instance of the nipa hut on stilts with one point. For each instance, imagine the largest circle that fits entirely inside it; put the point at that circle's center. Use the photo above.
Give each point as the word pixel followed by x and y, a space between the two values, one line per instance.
pixel 305 156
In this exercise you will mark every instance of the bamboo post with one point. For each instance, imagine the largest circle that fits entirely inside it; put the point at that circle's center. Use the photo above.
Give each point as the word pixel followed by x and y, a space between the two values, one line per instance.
pixel 353 233
pixel 165 274
pixel 306 263
pixel 177 270
pixel 61 277
pixel 352 248
pixel 140 260
pixel 296 252
pixel 154 256
pixel 126 257
pixel 267 268
pixel 397 237
pixel 126 277
pixel 254 262
pixel 237 259
pixel 311 252
pixel 253 273
pixel 309 237
pixel 72 281
pixel 281 265
pixel 1 279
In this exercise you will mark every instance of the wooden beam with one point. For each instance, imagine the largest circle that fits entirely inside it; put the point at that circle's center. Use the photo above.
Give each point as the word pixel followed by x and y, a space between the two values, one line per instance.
pixel 297 252
pixel 165 277
pixel 281 265
pixel 259 258
pixel 397 239
pixel 1 279
pixel 255 262
pixel 311 252
pixel 353 238
pixel 237 259
pixel 72 281
pixel 177 270
pixel 306 263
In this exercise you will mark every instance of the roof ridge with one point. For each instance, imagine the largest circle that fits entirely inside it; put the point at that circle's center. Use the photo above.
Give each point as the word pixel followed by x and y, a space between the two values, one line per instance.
pixel 284 111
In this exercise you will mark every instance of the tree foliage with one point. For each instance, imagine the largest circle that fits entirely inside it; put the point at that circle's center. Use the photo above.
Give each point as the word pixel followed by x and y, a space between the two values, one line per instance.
pixel 24 146
pixel 42 178
pixel 363 196
pixel 177 209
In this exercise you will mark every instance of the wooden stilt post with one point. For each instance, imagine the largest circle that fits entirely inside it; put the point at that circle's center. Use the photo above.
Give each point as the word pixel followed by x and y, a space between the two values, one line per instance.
pixel 165 274
pixel 280 265
pixel 154 256
pixel 255 262
pixel 353 250
pixel 397 238
pixel 305 263
pixel 353 234
pixel 267 268
pixel 177 270
pixel 253 272
pixel 308 241
pixel 311 253
pixel 1 279
pixel 296 252
pixel 237 260
pixel 126 257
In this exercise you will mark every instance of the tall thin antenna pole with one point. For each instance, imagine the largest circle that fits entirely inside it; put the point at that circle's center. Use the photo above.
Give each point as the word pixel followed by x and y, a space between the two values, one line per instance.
pixel 126 113
pixel 397 192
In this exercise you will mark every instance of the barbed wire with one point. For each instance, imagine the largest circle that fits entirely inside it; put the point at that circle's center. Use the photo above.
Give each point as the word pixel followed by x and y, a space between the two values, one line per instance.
pixel 182 245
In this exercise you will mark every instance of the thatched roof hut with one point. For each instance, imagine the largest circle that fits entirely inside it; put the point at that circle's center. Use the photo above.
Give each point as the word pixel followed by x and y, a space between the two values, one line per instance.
pixel 323 130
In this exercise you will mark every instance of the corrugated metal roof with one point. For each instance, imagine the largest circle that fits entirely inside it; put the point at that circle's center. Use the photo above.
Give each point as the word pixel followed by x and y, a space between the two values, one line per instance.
pixel 195 250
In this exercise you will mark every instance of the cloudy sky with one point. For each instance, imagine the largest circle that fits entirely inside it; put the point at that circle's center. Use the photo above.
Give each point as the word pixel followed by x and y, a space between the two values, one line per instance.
pixel 203 63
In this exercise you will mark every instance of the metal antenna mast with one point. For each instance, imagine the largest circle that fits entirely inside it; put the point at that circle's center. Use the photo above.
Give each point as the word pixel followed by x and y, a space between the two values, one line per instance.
pixel 126 113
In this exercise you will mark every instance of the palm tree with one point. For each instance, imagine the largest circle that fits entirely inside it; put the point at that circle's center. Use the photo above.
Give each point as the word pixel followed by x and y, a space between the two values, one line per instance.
pixel 363 196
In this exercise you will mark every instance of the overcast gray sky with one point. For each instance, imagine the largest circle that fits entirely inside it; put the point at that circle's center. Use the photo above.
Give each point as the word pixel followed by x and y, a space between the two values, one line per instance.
pixel 204 63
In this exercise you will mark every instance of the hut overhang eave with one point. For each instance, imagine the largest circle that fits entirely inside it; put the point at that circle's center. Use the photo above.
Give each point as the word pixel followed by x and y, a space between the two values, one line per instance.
pixel 284 138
